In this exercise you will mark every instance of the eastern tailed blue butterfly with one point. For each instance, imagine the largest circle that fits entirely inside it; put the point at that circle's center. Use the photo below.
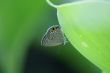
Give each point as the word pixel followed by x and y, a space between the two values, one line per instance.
pixel 53 37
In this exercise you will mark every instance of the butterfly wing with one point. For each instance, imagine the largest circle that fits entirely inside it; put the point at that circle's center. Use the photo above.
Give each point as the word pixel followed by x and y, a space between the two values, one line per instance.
pixel 53 38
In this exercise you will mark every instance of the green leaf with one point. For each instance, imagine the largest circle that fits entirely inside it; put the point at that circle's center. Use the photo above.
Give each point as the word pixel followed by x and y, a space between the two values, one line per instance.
pixel 87 26
pixel 20 21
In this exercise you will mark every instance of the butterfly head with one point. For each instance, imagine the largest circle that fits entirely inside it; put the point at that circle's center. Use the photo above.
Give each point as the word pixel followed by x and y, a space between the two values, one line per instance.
pixel 54 28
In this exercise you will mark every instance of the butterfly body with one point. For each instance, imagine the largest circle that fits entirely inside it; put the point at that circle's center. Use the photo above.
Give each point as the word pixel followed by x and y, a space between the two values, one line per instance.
pixel 53 37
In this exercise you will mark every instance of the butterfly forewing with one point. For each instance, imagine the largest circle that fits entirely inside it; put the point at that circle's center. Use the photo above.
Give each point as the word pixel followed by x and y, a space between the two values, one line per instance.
pixel 53 36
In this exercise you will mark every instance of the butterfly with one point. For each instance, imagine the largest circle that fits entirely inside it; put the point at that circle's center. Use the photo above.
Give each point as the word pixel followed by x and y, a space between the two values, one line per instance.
pixel 53 36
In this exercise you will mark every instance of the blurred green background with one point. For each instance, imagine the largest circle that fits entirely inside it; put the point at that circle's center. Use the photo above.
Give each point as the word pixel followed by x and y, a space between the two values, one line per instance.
pixel 22 25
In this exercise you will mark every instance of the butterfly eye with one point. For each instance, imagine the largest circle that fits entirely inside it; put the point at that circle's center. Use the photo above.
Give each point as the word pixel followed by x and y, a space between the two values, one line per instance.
pixel 53 28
